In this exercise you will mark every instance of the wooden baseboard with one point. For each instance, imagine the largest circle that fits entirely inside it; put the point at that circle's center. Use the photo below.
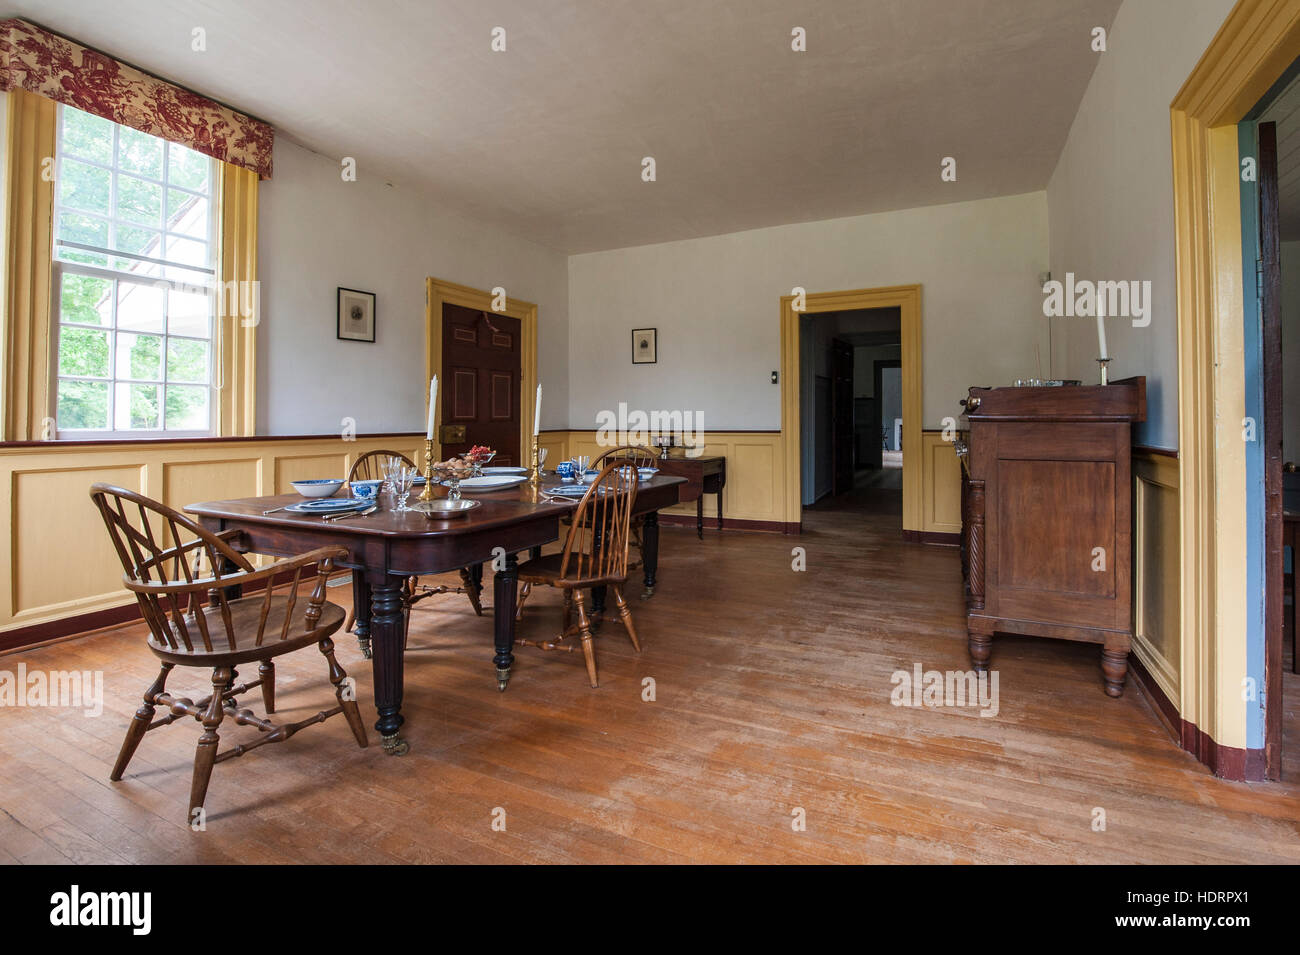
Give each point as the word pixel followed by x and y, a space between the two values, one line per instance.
pixel 1164 707
pixel 732 524
pixel 932 537
pixel 1227 762
pixel 52 631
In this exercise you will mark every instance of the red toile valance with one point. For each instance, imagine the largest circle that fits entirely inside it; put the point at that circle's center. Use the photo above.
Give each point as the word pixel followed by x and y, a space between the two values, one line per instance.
pixel 50 65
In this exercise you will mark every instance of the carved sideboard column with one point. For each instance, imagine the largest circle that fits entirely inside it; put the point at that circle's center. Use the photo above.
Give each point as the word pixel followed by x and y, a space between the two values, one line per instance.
pixel 975 547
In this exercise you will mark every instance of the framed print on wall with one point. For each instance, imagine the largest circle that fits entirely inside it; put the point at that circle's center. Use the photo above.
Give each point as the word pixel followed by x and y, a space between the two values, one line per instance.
pixel 356 315
pixel 645 346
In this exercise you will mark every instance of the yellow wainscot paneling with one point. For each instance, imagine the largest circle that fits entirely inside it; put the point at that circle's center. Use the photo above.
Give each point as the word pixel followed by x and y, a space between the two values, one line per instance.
pixel 1157 625
pixel 54 541
pixel 305 467
pixel 213 479
pixel 755 487
pixel 63 562
pixel 941 479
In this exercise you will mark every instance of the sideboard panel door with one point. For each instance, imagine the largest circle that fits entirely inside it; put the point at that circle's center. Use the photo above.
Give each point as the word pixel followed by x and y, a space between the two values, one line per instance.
pixel 1054 531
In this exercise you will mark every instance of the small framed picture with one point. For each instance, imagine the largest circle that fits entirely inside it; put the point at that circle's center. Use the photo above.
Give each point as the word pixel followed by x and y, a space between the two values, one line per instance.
pixel 356 315
pixel 645 346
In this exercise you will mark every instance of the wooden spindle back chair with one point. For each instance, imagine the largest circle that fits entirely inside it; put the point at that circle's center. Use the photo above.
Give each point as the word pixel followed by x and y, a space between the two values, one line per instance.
pixel 642 457
pixel 594 555
pixel 370 467
pixel 636 454
pixel 187 582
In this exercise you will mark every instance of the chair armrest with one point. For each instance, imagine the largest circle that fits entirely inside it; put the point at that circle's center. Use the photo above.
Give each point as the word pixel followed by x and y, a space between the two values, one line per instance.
pixel 318 556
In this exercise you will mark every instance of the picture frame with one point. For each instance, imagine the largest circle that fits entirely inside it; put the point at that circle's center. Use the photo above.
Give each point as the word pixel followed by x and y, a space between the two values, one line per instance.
pixel 645 346
pixel 356 315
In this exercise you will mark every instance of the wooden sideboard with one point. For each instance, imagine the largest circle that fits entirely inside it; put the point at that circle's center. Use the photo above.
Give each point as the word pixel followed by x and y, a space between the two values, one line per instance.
pixel 706 474
pixel 1047 529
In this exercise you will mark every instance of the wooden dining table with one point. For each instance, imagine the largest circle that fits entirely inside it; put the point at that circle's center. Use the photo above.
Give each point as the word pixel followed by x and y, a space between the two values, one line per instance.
pixel 387 547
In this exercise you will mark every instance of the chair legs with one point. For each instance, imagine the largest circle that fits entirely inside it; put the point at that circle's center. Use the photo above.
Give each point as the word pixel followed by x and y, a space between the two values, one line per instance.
pixel 205 755
pixel 575 598
pixel 267 672
pixel 345 691
pixel 473 590
pixel 525 589
pixel 139 724
pixel 625 614
pixel 584 630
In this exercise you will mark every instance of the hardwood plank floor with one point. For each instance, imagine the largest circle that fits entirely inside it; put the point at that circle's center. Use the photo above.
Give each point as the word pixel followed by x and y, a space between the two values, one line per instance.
pixel 772 692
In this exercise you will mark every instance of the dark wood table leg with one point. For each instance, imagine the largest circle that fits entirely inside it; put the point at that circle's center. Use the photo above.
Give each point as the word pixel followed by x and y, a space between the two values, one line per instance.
pixel 534 553
pixel 506 593
pixel 361 609
pixel 699 516
pixel 719 510
pixel 650 552
pixel 388 637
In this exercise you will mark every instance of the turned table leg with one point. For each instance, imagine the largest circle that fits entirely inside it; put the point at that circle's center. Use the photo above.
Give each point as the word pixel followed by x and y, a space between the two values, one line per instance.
pixel 361 610
pixel 505 594
pixel 1114 669
pixel 650 552
pixel 699 516
pixel 387 635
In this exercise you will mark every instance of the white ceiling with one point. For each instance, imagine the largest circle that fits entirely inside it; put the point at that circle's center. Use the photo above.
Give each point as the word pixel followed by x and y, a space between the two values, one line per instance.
pixel 547 138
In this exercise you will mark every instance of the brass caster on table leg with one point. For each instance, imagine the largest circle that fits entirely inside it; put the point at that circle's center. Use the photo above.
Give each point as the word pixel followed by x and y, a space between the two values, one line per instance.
pixel 364 644
pixel 647 593
pixel 395 746
pixel 503 677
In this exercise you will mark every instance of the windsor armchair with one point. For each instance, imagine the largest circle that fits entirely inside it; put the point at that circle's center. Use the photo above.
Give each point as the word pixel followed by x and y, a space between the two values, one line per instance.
pixel 370 467
pixel 182 578
pixel 594 555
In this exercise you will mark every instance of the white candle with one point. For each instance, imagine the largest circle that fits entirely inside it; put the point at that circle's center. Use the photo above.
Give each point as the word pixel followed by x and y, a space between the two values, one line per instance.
pixel 537 412
pixel 433 404
pixel 1101 326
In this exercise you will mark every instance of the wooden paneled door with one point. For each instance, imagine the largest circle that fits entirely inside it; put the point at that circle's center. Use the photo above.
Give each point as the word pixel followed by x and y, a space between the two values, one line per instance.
pixel 480 375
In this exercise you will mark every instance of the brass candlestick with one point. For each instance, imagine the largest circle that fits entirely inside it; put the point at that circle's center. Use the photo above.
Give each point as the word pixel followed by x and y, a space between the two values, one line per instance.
pixel 1103 362
pixel 427 494
pixel 536 468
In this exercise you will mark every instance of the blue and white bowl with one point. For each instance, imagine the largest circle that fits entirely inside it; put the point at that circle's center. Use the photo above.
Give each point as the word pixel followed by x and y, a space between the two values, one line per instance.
pixel 366 490
pixel 645 474
pixel 317 487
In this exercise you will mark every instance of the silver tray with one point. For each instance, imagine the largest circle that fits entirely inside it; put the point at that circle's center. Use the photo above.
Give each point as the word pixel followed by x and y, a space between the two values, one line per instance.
pixel 442 508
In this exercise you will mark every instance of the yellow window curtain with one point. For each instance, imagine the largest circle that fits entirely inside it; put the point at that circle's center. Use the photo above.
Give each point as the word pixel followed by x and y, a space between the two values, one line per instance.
pixel 29 209
pixel 28 405
pixel 238 303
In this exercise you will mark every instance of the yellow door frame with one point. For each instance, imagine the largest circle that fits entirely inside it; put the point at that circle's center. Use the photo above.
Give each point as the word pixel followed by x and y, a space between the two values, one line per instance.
pixel 907 299
pixel 1255 45
pixel 439 292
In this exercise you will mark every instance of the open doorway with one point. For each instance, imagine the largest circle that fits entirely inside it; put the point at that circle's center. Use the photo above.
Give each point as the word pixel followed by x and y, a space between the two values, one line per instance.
pixel 851 401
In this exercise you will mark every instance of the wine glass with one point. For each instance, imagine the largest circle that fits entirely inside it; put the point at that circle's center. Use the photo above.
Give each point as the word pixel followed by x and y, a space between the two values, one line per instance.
pixel 541 458
pixel 403 480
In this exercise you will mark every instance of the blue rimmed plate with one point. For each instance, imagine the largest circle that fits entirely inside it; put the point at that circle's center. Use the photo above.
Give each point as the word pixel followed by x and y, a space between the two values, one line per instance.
pixel 329 505
pixel 567 490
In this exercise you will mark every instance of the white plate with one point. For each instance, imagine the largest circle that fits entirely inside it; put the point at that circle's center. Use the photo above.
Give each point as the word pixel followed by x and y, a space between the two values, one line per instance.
pixel 332 505
pixel 513 472
pixel 493 482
